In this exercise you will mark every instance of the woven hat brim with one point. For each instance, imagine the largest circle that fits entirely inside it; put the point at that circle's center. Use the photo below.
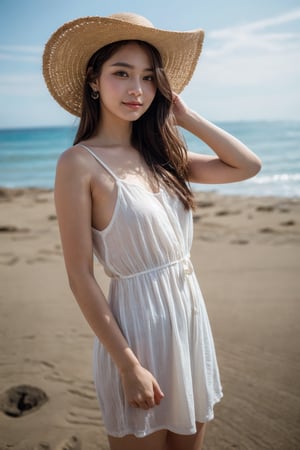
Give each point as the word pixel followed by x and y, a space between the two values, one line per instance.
pixel 69 49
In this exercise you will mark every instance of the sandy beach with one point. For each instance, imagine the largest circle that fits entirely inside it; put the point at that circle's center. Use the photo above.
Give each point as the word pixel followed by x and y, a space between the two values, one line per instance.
pixel 246 255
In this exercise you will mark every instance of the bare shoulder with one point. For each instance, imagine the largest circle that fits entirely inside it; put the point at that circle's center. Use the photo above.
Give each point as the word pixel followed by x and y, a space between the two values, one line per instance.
pixel 72 171
pixel 74 165
pixel 74 157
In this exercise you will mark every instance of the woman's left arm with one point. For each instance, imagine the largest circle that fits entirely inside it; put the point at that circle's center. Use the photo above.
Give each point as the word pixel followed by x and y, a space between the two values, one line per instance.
pixel 233 160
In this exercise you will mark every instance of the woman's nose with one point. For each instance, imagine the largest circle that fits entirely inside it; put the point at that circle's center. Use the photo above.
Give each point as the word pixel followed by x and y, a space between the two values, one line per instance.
pixel 135 89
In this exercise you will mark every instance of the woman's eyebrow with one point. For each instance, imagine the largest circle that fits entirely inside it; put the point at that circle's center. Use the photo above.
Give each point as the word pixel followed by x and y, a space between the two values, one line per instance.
pixel 129 66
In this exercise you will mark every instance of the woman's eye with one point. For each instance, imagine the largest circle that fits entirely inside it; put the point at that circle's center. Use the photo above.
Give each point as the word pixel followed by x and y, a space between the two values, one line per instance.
pixel 121 74
pixel 149 78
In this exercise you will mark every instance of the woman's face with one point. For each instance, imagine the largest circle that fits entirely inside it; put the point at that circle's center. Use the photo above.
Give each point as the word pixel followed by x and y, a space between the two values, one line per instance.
pixel 126 84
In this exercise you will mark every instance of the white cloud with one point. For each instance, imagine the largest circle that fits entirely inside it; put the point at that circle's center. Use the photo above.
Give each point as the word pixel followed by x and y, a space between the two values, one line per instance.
pixel 21 48
pixel 251 70
pixel 24 53
pixel 256 36
pixel 278 20
pixel 25 85
pixel 19 58
pixel 242 56
pixel 22 81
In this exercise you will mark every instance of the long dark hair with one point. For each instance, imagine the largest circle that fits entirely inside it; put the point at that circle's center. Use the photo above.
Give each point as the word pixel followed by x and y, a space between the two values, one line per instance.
pixel 154 134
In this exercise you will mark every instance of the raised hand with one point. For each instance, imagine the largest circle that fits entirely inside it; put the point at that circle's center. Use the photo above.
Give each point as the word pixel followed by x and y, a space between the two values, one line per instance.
pixel 179 108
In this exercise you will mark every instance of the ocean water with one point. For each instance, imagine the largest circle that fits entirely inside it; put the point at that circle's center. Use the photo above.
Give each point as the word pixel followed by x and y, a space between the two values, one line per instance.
pixel 28 156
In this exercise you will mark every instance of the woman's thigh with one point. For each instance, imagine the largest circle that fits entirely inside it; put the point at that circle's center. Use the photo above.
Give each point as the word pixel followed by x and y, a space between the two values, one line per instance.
pixel 187 442
pixel 157 441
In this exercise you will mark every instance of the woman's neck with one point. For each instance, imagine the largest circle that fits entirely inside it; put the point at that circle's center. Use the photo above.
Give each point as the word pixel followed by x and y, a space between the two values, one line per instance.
pixel 113 133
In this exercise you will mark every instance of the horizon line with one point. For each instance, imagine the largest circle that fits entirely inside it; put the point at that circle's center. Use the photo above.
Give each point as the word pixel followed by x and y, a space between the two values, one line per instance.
pixel 70 126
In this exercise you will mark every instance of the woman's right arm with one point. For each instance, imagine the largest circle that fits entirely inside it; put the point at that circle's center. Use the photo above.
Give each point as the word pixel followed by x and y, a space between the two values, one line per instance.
pixel 74 211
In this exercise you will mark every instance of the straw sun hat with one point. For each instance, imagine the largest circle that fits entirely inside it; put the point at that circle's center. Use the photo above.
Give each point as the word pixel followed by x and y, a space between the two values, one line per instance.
pixel 71 46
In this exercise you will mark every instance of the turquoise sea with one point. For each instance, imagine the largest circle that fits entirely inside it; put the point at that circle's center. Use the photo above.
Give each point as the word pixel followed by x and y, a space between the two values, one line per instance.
pixel 28 156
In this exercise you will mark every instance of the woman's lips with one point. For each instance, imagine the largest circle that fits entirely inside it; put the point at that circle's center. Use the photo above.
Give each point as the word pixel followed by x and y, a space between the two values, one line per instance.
pixel 133 105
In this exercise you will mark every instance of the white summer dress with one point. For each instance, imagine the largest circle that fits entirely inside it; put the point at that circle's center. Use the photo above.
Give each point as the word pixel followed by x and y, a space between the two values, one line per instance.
pixel 155 297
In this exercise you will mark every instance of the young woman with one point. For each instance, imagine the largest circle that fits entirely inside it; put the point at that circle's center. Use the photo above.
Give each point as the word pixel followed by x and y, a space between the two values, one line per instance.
pixel 122 192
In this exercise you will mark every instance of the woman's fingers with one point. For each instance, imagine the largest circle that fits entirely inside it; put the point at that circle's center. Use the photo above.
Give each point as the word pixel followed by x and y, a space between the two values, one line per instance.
pixel 174 97
pixel 142 404
pixel 134 404
pixel 158 393
pixel 144 401
pixel 141 388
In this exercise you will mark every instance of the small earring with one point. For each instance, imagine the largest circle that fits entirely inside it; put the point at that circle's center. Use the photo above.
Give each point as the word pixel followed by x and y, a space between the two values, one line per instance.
pixel 95 95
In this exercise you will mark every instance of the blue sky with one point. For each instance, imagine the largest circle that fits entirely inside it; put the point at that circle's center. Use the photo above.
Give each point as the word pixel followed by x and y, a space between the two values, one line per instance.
pixel 249 68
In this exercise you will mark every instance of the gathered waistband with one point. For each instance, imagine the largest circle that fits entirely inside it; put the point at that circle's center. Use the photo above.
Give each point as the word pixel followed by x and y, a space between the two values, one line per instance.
pixel 185 261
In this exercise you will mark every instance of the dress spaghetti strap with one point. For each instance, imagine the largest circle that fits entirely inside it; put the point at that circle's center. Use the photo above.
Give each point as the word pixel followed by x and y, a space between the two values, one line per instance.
pixel 105 166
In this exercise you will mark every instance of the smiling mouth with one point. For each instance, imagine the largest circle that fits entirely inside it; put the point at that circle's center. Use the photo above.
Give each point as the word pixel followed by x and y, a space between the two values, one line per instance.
pixel 133 104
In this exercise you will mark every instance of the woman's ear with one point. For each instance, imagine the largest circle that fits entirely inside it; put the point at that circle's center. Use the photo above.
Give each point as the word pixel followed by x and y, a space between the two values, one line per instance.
pixel 94 85
pixel 92 79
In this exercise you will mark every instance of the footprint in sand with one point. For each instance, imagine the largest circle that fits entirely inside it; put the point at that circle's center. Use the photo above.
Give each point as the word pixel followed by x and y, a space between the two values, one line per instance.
pixel 42 446
pixel 37 259
pixel 6 228
pixel 227 212
pixel 239 241
pixel 267 230
pixel 265 208
pixel 73 443
pixel 41 200
pixel 8 259
pixel 288 223
pixel 196 218
pixel 20 400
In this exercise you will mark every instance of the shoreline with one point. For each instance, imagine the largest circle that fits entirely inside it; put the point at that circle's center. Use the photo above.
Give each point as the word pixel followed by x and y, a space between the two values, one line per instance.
pixel 246 256
pixel 17 191
pixel 71 125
